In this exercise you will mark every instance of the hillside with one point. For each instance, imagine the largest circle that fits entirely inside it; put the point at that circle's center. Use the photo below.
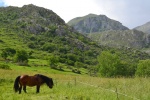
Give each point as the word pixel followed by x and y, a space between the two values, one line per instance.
pixel 128 38
pixel 30 18
pixel 144 28
pixel 43 34
pixel 95 23
pixel 108 32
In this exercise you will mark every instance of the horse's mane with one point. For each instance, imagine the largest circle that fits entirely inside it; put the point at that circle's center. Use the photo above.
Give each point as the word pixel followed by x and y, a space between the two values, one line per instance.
pixel 45 78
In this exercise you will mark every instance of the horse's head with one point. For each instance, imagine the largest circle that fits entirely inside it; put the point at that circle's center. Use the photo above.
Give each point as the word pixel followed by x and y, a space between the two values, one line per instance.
pixel 50 83
pixel 47 80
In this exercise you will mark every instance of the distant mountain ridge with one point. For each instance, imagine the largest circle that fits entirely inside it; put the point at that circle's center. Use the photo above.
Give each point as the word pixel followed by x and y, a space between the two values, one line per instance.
pixel 108 32
pixel 95 23
pixel 123 38
pixel 144 28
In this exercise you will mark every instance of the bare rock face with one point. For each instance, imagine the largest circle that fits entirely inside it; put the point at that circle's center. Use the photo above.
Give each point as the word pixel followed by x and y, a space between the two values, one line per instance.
pixel 125 38
pixel 144 28
pixel 95 23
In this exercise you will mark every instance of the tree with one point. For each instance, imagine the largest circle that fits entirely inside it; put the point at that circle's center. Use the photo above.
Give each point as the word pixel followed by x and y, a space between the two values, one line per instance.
pixel 4 54
pixel 21 57
pixel 143 68
pixel 8 52
pixel 53 60
pixel 78 65
pixel 110 64
pixel 49 47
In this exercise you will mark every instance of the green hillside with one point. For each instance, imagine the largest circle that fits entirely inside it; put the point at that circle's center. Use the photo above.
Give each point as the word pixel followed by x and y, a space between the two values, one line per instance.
pixel 44 37
pixel 44 33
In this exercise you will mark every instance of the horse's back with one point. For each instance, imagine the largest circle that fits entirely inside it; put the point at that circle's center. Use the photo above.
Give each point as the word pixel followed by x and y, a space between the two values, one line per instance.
pixel 29 80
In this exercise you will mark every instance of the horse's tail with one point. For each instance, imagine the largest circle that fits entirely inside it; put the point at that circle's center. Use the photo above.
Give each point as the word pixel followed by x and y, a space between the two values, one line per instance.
pixel 16 84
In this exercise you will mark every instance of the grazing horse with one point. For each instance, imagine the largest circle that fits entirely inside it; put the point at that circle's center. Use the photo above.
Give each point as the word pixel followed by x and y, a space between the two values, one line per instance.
pixel 36 80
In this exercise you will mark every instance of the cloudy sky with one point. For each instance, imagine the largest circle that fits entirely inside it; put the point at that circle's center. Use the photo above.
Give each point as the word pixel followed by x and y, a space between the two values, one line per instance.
pixel 130 13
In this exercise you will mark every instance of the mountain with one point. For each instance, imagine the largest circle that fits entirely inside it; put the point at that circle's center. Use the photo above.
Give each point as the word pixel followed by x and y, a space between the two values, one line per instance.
pixel 108 32
pixel 123 38
pixel 30 17
pixel 144 28
pixel 43 35
pixel 95 23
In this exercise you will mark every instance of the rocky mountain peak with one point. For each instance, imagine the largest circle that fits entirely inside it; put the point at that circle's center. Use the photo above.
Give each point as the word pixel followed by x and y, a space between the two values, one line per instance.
pixel 95 23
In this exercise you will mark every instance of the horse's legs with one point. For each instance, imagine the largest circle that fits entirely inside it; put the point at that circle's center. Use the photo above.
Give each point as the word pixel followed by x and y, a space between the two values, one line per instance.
pixel 20 88
pixel 24 88
pixel 37 89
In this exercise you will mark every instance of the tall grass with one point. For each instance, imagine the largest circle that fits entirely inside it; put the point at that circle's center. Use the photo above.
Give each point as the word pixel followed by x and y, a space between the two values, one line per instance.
pixel 74 87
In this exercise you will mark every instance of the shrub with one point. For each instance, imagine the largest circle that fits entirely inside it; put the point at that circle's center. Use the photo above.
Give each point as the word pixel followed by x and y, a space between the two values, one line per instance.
pixel 31 45
pixel 49 47
pixel 143 68
pixel 70 62
pixel 53 60
pixel 21 57
pixel 8 52
pixel 4 66
pixel 110 65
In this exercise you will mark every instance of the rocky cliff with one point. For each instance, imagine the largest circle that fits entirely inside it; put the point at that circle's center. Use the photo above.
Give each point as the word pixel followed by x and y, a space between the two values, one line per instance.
pixel 95 23
pixel 144 28
pixel 119 39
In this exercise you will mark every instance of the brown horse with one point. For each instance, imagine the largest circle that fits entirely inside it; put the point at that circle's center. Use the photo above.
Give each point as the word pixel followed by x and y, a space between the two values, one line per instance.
pixel 36 80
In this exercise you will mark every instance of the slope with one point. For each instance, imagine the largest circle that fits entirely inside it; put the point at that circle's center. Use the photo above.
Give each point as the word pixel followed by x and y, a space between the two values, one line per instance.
pixel 42 33
pixel 128 38
pixel 95 23
pixel 144 28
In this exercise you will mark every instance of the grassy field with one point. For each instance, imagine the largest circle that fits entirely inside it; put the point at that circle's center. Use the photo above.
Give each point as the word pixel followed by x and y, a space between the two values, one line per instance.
pixel 70 86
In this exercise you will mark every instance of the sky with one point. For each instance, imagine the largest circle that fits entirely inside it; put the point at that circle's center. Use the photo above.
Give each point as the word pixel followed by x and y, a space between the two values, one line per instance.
pixel 131 13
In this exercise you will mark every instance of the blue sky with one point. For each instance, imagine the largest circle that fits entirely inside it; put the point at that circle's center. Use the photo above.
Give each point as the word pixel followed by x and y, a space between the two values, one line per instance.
pixel 130 13
pixel 1 3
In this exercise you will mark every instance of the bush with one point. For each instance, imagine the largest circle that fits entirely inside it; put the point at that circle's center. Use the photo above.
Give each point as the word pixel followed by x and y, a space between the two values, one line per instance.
pixel 21 57
pixel 3 66
pixel 8 52
pixel 31 45
pixel 49 47
pixel 70 62
pixel 53 60
pixel 143 68
pixel 110 65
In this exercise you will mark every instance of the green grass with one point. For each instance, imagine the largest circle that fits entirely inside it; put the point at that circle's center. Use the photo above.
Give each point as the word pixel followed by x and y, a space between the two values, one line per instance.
pixel 70 86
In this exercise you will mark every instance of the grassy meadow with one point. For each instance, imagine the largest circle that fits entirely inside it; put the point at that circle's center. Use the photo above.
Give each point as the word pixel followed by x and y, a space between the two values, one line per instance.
pixel 71 86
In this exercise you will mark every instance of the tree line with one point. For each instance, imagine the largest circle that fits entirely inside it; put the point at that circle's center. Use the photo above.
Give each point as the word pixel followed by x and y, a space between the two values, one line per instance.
pixel 109 64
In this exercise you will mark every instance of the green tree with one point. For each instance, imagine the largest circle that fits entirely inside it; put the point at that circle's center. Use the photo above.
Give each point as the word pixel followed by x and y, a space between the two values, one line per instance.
pixel 8 52
pixel 143 68
pixel 78 65
pixel 21 57
pixel 53 60
pixel 49 47
pixel 4 54
pixel 72 57
pixel 110 64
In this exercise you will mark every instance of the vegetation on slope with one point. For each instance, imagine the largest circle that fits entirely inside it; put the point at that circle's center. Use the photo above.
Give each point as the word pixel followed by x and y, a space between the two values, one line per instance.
pixel 41 34
pixel 119 39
